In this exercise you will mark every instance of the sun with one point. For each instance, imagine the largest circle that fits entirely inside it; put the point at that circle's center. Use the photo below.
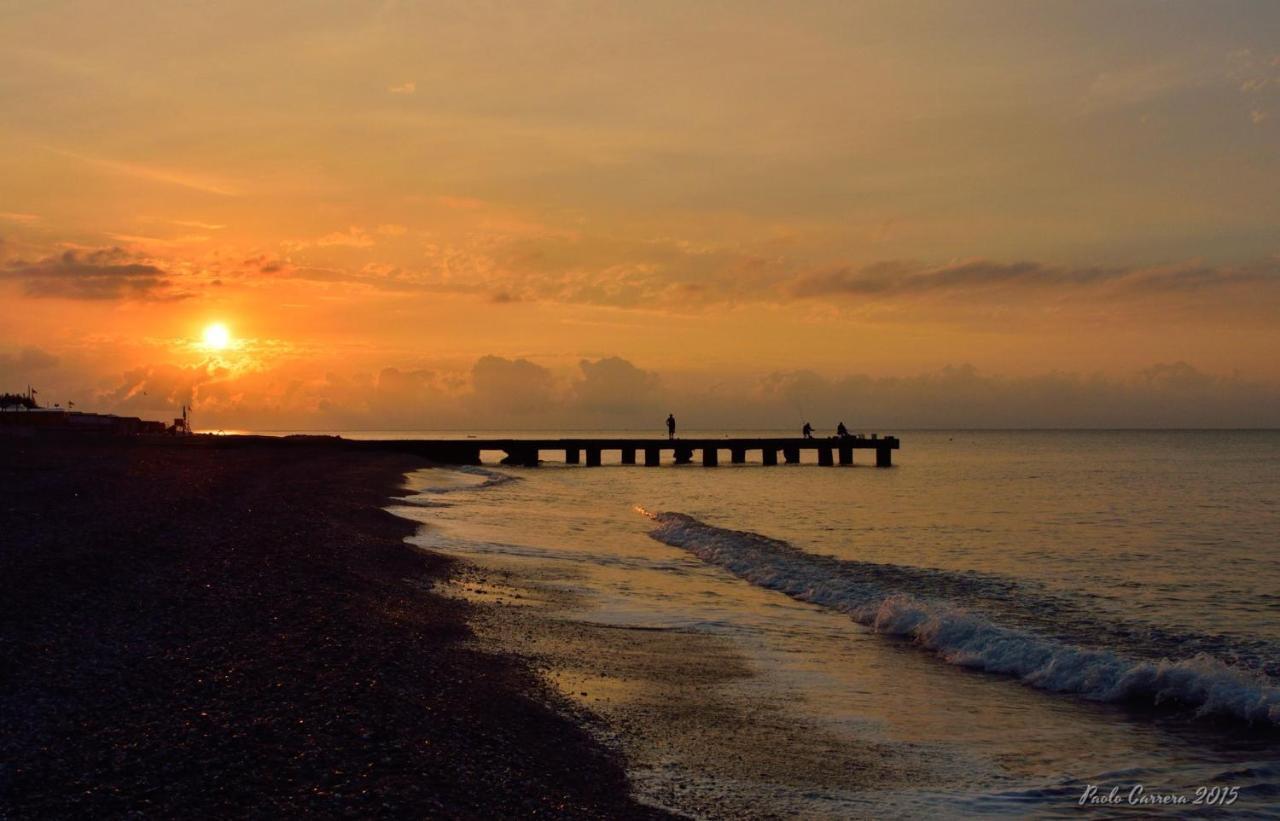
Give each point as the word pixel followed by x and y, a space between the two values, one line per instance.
pixel 216 336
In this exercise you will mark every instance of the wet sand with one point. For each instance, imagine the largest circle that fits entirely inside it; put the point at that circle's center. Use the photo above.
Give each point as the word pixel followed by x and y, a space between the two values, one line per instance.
pixel 703 733
pixel 241 630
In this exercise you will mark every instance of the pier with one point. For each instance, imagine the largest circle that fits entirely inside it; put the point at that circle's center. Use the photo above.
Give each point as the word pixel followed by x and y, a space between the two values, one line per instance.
pixel 649 452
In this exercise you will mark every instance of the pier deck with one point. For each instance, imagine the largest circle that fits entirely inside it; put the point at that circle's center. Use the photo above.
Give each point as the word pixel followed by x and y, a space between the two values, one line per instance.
pixel 649 452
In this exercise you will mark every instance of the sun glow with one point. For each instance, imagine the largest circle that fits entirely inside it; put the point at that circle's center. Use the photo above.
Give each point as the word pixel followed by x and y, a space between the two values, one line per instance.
pixel 217 337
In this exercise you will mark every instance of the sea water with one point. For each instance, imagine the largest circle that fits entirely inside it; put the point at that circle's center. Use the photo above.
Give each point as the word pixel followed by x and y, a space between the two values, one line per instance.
pixel 1028 615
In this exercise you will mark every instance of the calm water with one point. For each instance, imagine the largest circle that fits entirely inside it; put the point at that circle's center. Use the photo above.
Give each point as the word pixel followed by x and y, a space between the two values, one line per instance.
pixel 1027 612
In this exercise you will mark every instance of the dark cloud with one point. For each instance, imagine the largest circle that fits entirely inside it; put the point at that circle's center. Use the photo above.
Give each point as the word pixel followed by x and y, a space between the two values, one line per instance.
pixel 28 360
pixel 614 393
pixel 405 398
pixel 672 275
pixel 104 274
pixel 25 366
pixel 511 388
pixel 159 390
pixel 613 387
pixel 982 276
pixel 264 264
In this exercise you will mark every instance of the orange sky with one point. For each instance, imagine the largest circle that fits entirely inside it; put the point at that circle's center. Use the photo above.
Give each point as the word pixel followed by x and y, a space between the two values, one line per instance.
pixel 436 213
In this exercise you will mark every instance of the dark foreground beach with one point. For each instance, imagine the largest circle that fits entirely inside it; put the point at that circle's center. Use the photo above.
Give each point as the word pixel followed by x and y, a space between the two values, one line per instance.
pixel 241 630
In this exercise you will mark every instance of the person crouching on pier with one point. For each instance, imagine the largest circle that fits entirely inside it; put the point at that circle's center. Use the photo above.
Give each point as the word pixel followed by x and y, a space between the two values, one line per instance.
pixel 841 431
pixel 807 430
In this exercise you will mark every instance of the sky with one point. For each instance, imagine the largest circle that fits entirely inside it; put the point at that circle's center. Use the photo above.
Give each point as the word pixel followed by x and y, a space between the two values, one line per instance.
pixel 563 214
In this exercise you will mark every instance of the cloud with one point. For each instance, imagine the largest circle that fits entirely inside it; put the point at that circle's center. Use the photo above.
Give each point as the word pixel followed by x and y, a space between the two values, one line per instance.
pixel 26 362
pixel 1136 84
pixel 891 277
pixel 978 277
pixel 353 237
pixel 611 392
pixel 142 241
pixel 103 274
pixel 156 390
pixel 511 388
pixel 612 387
pixel 670 275
pixel 1257 116
pixel 24 219
pixel 392 230
pixel 184 179
pixel 403 88
pixel 204 226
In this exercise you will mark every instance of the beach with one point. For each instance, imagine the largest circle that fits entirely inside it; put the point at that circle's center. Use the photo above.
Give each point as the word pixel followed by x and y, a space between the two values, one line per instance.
pixel 237 627
pixel 245 625
pixel 995 626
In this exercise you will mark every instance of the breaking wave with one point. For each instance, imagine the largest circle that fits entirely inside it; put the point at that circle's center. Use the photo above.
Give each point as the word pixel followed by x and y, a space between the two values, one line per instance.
pixel 489 478
pixel 913 610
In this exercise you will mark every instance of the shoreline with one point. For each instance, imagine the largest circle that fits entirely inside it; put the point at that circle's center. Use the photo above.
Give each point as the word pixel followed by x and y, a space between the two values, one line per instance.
pixel 704 731
pixel 243 628
pixel 705 722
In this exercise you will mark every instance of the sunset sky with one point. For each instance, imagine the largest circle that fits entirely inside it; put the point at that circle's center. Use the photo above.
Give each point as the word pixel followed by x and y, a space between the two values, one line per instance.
pixel 590 214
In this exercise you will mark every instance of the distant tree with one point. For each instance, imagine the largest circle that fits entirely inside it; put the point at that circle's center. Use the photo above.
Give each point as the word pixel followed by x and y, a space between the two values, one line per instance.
pixel 16 400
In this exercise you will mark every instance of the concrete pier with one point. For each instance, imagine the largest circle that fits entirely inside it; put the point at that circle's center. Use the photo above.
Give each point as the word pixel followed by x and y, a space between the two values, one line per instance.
pixel 526 452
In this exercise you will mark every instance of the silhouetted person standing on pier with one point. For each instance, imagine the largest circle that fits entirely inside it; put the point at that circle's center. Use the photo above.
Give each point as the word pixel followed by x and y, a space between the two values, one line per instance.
pixel 807 430
pixel 671 426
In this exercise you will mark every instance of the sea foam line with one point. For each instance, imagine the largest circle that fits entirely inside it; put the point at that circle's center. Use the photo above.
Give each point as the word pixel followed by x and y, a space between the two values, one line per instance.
pixel 492 478
pixel 960 637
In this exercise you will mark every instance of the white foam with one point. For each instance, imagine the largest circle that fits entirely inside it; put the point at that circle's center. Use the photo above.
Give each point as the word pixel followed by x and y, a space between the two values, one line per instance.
pixel 960 637
pixel 491 478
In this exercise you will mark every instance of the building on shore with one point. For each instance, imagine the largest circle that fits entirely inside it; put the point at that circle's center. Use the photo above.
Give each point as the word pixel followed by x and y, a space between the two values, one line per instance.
pixel 57 419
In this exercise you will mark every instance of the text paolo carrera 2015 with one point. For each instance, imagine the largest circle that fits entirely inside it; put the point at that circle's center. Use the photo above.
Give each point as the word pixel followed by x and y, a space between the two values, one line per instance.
pixel 1139 796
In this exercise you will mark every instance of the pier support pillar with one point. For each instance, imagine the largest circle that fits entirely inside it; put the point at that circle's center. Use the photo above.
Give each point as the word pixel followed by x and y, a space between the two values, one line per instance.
pixel 572 456
pixel 628 456
pixel 710 457
pixel 792 455
pixel 525 457
pixel 824 457
pixel 769 456
pixel 684 455
pixel 738 455
pixel 652 457
pixel 884 458
pixel 846 454
pixel 593 457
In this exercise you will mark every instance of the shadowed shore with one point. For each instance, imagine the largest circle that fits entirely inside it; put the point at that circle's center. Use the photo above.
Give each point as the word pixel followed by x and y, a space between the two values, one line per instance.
pixel 242 630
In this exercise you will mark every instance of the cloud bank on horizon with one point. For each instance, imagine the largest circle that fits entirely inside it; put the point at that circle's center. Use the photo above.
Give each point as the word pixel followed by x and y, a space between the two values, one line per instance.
pixel 572 214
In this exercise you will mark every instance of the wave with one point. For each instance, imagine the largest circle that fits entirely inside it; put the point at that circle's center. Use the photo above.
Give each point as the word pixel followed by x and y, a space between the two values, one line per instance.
pixel 959 636
pixel 491 478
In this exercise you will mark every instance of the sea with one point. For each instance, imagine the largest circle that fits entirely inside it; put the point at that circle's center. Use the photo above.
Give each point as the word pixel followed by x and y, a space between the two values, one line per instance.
pixel 1025 623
